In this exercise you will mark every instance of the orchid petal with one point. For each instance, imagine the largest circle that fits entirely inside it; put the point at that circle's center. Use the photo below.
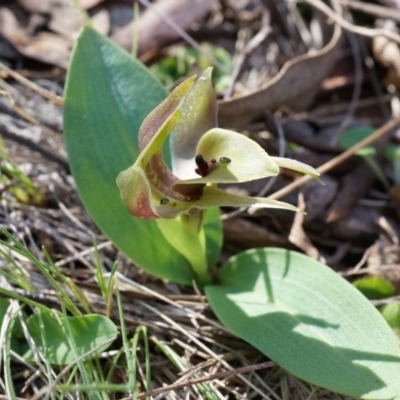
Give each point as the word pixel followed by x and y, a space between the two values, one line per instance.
pixel 199 111
pixel 297 166
pixel 231 158
pixel 135 192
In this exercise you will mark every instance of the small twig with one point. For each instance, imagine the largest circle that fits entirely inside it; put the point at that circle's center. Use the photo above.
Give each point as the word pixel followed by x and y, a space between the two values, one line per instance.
pixel 338 159
pixel 2 397
pixel 187 38
pixel 358 79
pixel 351 27
pixel 81 254
pixel 218 375
pixel 58 100
pixel 249 48
pixel 373 9
pixel 369 62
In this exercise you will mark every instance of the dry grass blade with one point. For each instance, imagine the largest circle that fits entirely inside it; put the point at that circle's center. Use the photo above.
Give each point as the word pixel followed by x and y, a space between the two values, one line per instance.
pixel 218 375
pixel 31 85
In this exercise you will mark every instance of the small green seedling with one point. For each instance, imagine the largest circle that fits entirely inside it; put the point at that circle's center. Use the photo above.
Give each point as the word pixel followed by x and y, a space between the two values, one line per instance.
pixel 392 153
pixel 391 313
pixel 351 137
pixel 375 287
pixel 178 65
pixel 14 182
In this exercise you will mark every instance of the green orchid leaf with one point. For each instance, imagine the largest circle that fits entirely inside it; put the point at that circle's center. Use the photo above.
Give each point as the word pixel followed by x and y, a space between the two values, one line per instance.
pixel 309 320
pixel 200 110
pixel 54 342
pixel 108 95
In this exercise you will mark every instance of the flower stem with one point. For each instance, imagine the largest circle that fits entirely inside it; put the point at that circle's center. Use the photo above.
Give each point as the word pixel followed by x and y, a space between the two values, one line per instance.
pixel 186 235
pixel 193 222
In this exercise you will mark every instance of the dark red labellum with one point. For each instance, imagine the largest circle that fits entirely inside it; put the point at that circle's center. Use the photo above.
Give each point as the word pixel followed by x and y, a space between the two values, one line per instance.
pixel 202 166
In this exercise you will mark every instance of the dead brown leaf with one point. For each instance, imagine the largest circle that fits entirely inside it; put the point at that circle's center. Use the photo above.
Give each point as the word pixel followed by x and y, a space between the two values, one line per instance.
pixel 246 234
pixel 294 86
pixel 86 4
pixel 387 53
pixel 355 185
pixel 50 42
pixel 36 6
pixel 153 32
pixel 361 226
pixel 318 197
pixel 45 46
pixel 65 19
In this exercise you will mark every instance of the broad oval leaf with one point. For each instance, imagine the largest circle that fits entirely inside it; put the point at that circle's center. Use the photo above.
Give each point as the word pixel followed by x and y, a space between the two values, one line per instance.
pixel 88 332
pixel 108 95
pixel 308 320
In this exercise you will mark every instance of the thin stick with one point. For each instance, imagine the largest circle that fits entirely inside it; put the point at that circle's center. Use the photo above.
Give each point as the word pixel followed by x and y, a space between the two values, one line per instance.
pixel 339 159
pixel 58 100
pixel 186 37
pixel 373 9
pixel 82 11
pixel 219 375
pixel 351 27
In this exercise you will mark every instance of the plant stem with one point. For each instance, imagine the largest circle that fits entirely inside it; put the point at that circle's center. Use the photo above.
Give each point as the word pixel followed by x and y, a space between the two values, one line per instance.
pixel 186 235
pixel 193 222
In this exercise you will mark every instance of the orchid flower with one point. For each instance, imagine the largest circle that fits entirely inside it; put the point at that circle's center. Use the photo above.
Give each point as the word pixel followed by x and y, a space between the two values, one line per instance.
pixel 202 156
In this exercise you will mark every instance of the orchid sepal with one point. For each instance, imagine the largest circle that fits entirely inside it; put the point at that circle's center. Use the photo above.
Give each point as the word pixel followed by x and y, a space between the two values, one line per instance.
pixel 200 115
